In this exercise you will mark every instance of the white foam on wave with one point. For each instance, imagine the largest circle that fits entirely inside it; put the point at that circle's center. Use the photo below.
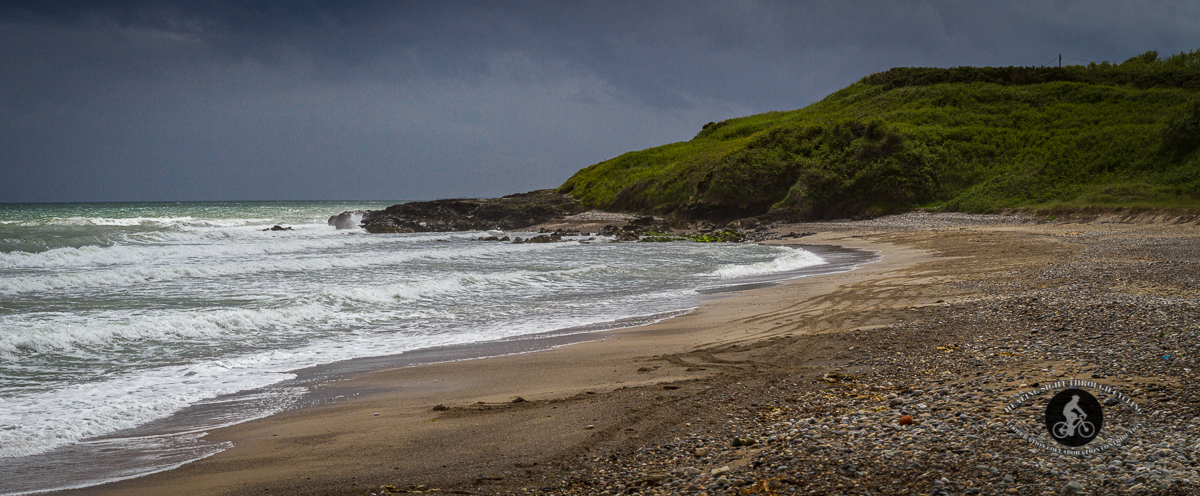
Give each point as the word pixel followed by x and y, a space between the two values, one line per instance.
pixel 326 309
pixel 186 221
pixel 129 273
pixel 58 331
pixel 130 247
pixel 512 281
pixel 150 247
pixel 36 423
pixel 789 259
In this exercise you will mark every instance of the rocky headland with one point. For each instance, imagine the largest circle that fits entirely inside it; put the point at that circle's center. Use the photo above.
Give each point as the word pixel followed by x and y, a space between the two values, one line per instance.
pixel 467 214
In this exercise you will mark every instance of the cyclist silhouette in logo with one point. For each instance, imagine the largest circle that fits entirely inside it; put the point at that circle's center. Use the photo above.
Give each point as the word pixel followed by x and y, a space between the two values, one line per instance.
pixel 1075 420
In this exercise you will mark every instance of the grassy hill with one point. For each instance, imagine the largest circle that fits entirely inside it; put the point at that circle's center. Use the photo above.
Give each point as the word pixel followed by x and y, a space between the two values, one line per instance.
pixel 974 139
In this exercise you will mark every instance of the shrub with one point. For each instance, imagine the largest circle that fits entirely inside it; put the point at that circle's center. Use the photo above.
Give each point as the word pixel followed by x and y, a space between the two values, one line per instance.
pixel 1182 133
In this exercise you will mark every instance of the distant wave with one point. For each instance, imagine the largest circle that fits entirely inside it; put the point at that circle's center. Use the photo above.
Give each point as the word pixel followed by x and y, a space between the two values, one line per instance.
pixel 133 274
pixel 327 309
pixel 139 221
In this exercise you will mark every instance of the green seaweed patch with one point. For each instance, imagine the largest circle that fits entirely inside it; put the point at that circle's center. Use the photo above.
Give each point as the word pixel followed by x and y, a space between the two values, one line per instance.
pixel 722 236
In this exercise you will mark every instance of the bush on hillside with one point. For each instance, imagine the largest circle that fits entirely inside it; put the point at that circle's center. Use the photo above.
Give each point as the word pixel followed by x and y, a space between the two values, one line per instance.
pixel 1182 134
pixel 853 168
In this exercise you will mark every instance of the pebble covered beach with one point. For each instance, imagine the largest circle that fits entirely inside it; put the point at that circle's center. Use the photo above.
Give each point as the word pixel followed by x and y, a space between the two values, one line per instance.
pixel 1106 302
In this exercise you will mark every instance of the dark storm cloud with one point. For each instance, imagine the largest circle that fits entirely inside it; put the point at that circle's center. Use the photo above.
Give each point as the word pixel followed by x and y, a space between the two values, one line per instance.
pixel 104 100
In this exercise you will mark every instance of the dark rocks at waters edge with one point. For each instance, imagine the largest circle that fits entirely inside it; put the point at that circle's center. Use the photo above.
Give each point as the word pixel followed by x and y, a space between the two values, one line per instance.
pixel 506 213
pixel 349 219
pixel 542 238
pixel 278 227
pixel 560 215
pixel 797 235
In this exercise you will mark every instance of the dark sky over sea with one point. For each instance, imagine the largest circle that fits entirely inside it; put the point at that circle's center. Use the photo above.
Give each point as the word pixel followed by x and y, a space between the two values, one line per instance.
pixel 111 100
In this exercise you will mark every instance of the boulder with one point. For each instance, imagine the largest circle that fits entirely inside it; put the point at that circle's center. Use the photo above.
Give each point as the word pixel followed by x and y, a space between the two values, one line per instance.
pixel 347 220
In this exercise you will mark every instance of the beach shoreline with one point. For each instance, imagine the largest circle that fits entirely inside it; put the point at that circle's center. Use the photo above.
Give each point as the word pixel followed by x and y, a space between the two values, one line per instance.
pixel 365 383
pixel 532 421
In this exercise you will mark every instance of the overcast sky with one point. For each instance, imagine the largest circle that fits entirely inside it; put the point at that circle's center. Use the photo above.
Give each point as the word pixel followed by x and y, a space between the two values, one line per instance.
pixel 110 100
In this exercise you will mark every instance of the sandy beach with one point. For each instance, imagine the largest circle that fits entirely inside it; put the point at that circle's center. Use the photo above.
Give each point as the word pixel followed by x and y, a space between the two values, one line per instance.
pixel 716 401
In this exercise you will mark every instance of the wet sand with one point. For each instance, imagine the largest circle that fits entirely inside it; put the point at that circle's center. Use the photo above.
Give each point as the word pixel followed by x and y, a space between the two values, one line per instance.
pixel 540 420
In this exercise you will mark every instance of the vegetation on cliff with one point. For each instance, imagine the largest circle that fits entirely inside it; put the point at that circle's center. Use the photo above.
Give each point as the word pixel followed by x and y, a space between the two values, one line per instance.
pixel 974 139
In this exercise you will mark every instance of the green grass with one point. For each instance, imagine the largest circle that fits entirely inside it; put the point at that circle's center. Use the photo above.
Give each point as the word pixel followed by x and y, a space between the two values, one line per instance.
pixel 965 139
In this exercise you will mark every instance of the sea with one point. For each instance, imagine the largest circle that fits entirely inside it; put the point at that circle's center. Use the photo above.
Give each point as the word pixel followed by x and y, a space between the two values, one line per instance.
pixel 130 330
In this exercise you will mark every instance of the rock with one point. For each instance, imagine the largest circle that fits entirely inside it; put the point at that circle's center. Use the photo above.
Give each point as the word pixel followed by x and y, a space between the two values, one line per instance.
pixel 700 452
pixel 1111 402
pixel 895 402
pixel 347 220
pixel 278 227
pixel 519 400
pixel 507 213
pixel 589 427
pixel 489 238
pixel 1071 488
pixel 906 420
pixel 440 408
pixel 718 472
pixel 742 441
pixel 543 238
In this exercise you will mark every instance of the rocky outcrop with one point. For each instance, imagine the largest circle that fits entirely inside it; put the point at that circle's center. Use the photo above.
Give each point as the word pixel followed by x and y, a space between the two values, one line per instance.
pixel 349 219
pixel 507 213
